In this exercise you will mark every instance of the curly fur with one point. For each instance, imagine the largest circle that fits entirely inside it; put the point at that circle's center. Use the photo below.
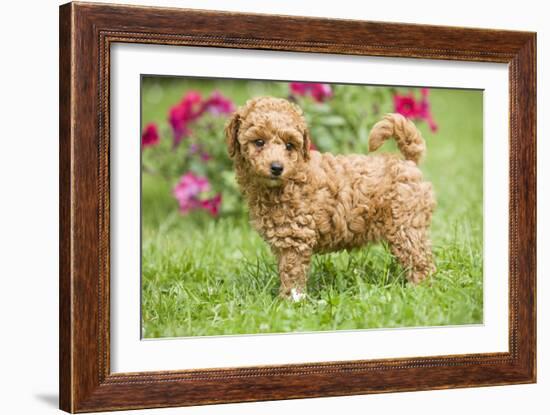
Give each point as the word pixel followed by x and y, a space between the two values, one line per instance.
pixel 323 202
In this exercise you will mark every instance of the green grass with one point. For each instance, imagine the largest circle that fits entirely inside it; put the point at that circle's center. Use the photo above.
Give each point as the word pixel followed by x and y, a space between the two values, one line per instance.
pixel 212 277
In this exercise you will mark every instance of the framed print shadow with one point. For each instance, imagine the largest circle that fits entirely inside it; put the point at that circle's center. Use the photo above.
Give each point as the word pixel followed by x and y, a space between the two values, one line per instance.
pixel 258 207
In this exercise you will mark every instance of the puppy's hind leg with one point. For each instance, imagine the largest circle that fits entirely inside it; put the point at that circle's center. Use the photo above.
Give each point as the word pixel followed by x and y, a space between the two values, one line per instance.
pixel 413 203
pixel 293 268
pixel 412 248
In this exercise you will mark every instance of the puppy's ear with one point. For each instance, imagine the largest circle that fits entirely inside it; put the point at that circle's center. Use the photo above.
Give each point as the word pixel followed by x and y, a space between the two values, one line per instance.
pixel 302 125
pixel 306 145
pixel 231 133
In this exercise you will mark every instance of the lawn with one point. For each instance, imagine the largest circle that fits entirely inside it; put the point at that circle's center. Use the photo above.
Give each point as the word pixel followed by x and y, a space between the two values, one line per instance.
pixel 206 276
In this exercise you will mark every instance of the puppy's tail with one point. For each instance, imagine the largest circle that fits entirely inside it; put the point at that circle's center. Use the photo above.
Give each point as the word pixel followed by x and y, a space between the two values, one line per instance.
pixel 408 138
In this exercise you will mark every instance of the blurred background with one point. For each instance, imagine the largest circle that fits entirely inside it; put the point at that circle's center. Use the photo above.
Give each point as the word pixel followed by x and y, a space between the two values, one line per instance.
pixel 205 271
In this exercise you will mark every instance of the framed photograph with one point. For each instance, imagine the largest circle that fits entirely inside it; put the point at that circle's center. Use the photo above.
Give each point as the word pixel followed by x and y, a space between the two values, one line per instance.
pixel 258 207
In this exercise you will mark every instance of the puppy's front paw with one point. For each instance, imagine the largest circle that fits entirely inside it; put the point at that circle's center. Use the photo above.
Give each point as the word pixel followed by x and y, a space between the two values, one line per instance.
pixel 296 295
pixel 292 294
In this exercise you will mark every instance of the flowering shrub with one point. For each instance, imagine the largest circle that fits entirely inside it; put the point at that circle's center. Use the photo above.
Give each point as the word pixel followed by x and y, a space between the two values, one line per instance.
pixel 190 154
pixel 194 150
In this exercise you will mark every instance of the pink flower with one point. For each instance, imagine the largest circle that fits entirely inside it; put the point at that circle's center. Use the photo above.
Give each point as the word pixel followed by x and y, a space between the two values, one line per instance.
pixel 212 205
pixel 409 107
pixel 182 114
pixel 150 136
pixel 319 92
pixel 217 104
pixel 188 191
pixel 405 105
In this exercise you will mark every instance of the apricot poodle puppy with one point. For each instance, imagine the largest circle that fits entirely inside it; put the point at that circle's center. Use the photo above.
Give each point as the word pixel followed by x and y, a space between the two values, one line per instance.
pixel 303 202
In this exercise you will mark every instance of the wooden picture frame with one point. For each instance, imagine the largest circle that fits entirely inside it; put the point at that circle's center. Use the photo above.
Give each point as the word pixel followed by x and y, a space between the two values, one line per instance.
pixel 86 33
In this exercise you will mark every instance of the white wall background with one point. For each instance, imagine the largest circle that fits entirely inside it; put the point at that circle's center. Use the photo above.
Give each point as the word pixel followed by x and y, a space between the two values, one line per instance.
pixel 29 207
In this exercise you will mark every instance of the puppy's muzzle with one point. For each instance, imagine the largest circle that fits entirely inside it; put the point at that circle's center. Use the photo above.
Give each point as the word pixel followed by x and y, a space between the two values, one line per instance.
pixel 276 169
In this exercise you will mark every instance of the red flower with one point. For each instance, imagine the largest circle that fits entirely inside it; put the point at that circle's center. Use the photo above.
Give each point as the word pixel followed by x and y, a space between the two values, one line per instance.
pixel 191 108
pixel 299 88
pixel 188 191
pixel 405 105
pixel 319 92
pixel 150 136
pixel 212 205
pixel 409 107
pixel 182 114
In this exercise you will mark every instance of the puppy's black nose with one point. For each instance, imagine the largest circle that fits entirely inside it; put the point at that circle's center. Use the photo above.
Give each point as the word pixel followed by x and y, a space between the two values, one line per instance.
pixel 276 169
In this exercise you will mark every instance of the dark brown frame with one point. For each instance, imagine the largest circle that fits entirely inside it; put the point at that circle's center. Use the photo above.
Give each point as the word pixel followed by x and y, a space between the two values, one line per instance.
pixel 86 33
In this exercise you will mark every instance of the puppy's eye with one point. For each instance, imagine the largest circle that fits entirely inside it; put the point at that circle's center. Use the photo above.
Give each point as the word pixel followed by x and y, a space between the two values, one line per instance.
pixel 289 146
pixel 259 143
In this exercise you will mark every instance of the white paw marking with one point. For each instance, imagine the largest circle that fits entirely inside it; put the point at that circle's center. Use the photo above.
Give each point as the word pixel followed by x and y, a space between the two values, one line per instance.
pixel 296 295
